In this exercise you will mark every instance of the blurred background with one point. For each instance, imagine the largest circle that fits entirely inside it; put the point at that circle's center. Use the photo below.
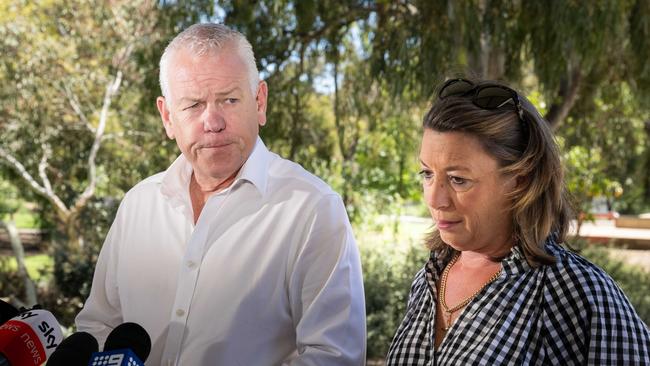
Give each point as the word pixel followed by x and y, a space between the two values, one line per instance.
pixel 349 82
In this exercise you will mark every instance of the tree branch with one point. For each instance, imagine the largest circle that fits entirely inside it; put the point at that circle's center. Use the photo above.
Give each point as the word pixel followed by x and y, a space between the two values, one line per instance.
pixel 20 169
pixel 111 89
pixel 568 94
pixel 74 103
pixel 42 167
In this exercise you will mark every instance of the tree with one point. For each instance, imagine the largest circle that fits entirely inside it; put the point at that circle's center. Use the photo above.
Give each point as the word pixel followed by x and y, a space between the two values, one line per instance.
pixel 68 111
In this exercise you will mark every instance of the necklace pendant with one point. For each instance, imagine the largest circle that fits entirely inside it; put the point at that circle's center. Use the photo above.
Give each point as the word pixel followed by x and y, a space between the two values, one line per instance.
pixel 448 325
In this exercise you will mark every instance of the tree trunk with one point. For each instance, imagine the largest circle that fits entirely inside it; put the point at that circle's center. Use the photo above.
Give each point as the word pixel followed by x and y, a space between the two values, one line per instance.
pixel 19 254
pixel 567 95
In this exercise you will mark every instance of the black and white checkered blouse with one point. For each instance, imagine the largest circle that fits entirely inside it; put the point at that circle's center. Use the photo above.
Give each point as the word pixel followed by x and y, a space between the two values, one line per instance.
pixel 569 313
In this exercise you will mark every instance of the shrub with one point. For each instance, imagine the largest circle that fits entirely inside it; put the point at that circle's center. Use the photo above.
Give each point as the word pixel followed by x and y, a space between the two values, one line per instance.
pixel 388 273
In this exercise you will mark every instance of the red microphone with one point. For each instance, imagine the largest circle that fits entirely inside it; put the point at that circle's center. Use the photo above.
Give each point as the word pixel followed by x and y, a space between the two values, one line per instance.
pixel 29 338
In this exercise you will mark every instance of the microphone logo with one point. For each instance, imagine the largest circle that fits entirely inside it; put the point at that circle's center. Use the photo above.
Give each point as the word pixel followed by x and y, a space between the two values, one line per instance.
pixel 119 357
pixel 48 332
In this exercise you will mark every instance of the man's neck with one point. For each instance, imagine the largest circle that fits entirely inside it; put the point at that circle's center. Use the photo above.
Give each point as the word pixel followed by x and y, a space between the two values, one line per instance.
pixel 201 190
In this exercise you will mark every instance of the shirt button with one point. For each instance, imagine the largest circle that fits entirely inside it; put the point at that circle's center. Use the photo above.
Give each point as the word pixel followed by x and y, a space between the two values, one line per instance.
pixel 180 312
pixel 191 264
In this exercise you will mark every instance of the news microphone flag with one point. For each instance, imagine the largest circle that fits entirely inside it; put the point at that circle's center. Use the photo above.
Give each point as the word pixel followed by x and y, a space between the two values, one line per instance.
pixel 30 338
pixel 118 357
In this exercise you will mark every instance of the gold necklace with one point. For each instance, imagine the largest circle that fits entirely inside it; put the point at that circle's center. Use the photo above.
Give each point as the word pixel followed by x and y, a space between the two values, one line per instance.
pixel 443 289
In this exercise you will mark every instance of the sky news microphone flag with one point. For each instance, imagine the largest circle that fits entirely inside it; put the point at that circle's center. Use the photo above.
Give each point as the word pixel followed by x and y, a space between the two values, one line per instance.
pixel 29 338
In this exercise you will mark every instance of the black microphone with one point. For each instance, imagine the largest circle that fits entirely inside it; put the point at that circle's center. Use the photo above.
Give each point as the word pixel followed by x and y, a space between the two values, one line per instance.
pixel 7 311
pixel 75 350
pixel 128 344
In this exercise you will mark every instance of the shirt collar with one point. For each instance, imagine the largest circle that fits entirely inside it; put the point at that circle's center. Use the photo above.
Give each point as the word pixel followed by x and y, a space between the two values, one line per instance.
pixel 176 179
pixel 256 168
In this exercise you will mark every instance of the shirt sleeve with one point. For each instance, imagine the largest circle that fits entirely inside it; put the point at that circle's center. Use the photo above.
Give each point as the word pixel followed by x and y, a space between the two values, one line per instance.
pixel 326 291
pixel 616 334
pixel 588 320
pixel 101 312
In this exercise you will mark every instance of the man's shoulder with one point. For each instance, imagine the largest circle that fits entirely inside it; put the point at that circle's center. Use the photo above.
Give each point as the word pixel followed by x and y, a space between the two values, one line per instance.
pixel 146 186
pixel 286 174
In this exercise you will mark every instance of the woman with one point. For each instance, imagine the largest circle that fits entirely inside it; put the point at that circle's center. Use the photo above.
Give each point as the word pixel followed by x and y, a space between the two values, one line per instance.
pixel 498 288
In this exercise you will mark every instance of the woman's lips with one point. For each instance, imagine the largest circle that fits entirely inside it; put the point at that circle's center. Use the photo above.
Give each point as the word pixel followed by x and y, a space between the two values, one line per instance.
pixel 446 224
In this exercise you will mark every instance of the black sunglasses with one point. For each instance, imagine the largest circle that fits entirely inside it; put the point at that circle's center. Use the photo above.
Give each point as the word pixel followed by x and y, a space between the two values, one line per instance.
pixel 486 96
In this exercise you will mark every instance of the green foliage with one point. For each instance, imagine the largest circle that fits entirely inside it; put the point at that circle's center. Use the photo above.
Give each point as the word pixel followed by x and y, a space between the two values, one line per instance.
pixel 388 274
pixel 585 178
pixel 38 266
pixel 606 150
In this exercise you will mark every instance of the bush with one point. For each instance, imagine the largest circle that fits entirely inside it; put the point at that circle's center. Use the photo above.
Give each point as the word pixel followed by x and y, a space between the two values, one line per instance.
pixel 388 273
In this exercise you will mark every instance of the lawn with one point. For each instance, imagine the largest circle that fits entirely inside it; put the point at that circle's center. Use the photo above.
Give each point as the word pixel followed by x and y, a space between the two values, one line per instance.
pixel 35 265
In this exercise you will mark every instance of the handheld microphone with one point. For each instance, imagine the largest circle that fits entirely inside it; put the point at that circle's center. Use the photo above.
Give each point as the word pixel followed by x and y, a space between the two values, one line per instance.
pixel 29 338
pixel 7 311
pixel 75 350
pixel 128 344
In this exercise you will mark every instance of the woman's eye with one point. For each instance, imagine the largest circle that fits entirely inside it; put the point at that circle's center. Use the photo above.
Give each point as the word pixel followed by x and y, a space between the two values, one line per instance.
pixel 458 181
pixel 425 174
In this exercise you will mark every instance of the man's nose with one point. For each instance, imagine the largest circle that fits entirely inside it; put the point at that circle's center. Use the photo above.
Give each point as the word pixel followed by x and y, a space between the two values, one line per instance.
pixel 213 118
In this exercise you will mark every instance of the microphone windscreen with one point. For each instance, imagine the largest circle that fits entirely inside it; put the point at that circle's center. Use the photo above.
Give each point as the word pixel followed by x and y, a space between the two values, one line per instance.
pixel 132 336
pixel 74 350
pixel 30 338
pixel 7 311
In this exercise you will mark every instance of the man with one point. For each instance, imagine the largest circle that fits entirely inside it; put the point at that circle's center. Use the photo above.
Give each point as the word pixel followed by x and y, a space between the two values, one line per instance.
pixel 233 255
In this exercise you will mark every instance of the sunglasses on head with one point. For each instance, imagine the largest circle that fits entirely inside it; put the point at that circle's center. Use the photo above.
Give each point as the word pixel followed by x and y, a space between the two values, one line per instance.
pixel 486 96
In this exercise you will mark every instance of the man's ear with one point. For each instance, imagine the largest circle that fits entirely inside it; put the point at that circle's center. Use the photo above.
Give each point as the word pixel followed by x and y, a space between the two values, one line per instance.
pixel 163 109
pixel 260 99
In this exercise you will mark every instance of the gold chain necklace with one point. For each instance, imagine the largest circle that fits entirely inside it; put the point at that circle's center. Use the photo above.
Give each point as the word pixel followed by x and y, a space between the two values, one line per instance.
pixel 443 289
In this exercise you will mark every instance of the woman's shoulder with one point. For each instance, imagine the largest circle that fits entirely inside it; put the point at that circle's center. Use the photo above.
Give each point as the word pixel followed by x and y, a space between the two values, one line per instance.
pixel 576 277
pixel 584 294
pixel 582 302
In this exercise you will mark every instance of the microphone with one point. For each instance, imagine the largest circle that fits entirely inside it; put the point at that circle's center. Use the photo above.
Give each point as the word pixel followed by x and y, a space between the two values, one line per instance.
pixel 7 311
pixel 29 338
pixel 75 350
pixel 128 344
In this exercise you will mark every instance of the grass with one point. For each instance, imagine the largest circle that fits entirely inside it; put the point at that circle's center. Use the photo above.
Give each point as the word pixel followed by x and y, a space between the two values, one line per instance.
pixel 35 265
pixel 24 218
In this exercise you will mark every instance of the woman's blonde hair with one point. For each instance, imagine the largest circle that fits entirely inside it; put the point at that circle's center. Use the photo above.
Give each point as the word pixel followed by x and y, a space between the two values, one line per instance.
pixel 524 148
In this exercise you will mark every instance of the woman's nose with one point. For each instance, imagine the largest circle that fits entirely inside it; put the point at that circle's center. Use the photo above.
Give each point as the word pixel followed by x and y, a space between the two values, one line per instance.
pixel 438 196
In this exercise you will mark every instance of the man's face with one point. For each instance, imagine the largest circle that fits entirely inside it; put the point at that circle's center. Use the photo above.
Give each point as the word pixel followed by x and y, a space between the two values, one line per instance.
pixel 212 112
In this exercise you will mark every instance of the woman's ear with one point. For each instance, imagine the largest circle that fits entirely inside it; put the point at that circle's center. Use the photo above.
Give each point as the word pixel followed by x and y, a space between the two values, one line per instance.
pixel 521 181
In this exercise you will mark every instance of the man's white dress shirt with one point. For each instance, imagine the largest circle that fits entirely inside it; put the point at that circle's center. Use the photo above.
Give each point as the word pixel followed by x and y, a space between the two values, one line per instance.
pixel 269 275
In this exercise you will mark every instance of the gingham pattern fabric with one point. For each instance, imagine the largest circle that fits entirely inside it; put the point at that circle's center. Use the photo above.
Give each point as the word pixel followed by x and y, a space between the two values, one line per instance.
pixel 570 313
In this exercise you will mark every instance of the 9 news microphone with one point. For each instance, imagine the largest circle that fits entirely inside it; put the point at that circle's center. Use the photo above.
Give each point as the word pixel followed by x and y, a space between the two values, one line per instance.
pixel 128 344
pixel 75 350
pixel 29 338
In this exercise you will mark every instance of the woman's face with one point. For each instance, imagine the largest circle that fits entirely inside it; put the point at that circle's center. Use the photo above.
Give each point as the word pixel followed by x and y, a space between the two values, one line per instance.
pixel 465 193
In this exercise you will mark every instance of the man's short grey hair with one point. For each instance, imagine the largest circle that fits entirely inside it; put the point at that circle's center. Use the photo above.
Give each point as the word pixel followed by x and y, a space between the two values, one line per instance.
pixel 201 39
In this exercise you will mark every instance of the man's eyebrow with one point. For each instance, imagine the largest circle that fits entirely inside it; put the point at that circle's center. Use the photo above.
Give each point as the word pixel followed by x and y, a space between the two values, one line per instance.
pixel 218 94
pixel 235 88
pixel 190 99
